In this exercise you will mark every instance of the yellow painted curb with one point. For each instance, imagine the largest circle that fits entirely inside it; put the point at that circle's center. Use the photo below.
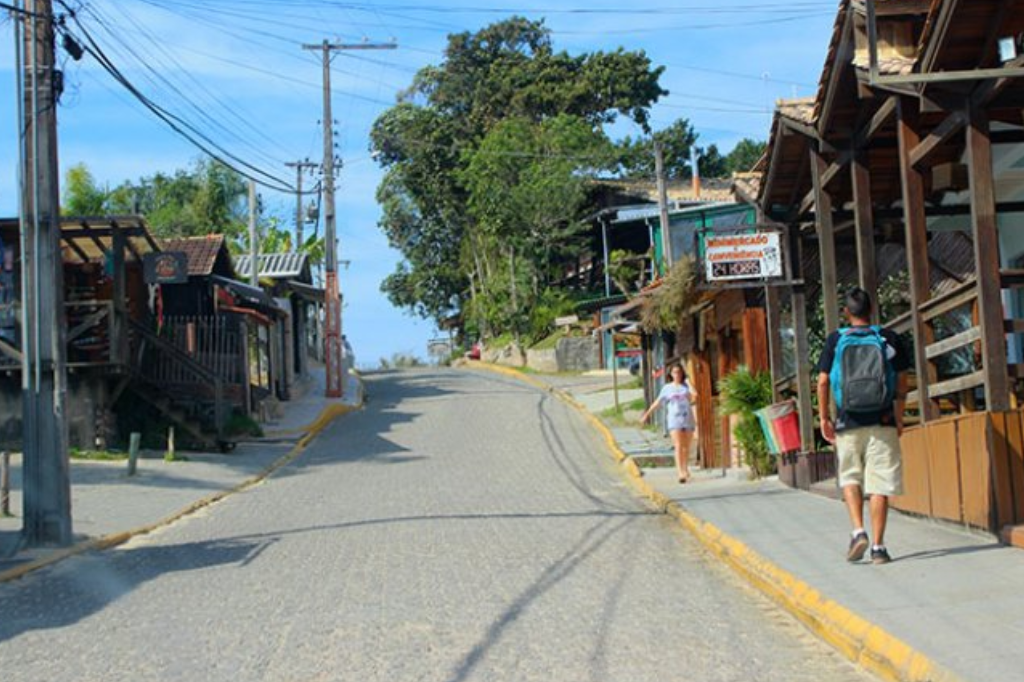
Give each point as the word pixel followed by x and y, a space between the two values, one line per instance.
pixel 327 415
pixel 854 637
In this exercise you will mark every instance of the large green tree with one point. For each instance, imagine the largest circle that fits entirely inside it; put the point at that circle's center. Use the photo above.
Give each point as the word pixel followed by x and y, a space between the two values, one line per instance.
pixel 744 155
pixel 450 210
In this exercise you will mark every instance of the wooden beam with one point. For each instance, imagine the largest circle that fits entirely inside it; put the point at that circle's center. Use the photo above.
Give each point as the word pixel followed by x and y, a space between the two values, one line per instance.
pixel 915 222
pixel 864 231
pixel 942 20
pixel 876 122
pixel 942 132
pixel 76 248
pixel 827 176
pixel 986 261
pixel 773 315
pixel 941 388
pixel 893 8
pixel 826 243
pixel 773 163
pixel 119 316
pixel 842 57
pixel 953 342
pixel 803 369
pixel 10 351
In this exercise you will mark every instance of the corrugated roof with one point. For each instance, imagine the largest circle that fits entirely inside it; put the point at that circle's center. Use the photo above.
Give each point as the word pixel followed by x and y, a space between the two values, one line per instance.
pixel 201 252
pixel 274 265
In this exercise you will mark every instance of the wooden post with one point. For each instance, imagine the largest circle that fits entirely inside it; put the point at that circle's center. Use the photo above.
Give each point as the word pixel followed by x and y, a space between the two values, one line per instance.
pixel 864 224
pixel 826 244
pixel 986 258
pixel 773 311
pixel 172 451
pixel 5 484
pixel 803 369
pixel 917 252
pixel 615 374
pixel 119 315
pixel 133 452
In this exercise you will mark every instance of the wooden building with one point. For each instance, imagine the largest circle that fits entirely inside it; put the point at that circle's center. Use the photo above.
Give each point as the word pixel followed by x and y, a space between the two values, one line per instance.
pixel 231 328
pixel 106 318
pixel 288 279
pixel 915 135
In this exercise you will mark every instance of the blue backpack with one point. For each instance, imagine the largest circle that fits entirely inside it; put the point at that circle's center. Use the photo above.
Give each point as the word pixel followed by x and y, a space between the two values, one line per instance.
pixel 862 378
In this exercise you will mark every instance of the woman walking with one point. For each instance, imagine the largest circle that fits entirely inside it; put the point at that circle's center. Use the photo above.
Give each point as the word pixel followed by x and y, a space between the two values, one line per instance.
pixel 678 397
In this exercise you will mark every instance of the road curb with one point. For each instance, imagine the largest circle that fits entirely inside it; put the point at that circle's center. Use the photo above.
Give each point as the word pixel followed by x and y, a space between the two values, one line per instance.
pixel 327 415
pixel 854 637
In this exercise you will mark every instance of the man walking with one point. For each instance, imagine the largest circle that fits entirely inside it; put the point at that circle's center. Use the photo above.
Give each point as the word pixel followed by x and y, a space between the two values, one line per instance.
pixel 864 368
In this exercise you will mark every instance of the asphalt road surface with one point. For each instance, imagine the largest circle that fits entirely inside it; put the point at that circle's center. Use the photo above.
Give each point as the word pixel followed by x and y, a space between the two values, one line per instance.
pixel 462 527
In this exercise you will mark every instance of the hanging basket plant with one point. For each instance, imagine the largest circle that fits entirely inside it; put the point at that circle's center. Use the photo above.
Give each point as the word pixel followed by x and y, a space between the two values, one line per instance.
pixel 667 304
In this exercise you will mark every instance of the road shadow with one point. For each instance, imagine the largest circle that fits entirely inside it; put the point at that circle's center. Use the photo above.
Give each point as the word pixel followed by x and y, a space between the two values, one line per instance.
pixel 66 594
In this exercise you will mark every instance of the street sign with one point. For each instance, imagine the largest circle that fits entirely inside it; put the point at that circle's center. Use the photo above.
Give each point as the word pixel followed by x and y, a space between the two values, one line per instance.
pixel 742 256
pixel 166 267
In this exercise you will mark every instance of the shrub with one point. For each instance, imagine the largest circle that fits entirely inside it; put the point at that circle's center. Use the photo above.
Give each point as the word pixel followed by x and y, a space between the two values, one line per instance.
pixel 742 393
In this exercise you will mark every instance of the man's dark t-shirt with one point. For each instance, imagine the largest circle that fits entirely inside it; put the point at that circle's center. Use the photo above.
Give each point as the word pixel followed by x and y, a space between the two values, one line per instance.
pixel 900 362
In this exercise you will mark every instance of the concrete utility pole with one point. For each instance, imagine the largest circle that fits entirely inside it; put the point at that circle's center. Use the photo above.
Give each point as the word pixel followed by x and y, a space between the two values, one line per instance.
pixel 47 483
pixel 332 299
pixel 254 245
pixel 300 217
pixel 666 237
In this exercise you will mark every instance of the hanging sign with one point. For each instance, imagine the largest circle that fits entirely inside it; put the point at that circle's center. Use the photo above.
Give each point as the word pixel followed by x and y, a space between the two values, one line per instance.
pixel 738 256
pixel 168 267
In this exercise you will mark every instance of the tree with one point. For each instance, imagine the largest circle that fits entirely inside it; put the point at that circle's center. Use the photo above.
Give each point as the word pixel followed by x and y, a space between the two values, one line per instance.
pixel 744 155
pixel 462 231
pixel 637 154
pixel 527 185
pixel 208 198
pixel 711 162
pixel 82 196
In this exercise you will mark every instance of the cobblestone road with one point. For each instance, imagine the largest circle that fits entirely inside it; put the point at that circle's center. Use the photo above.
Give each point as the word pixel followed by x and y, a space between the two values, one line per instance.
pixel 462 527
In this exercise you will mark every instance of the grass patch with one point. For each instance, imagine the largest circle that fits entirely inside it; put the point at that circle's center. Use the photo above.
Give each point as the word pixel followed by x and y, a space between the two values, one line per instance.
pixel 242 425
pixel 549 342
pixel 626 414
pixel 98 455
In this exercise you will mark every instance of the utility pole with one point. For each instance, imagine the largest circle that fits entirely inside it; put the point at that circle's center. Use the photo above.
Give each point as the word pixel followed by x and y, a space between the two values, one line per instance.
pixel 666 237
pixel 254 246
pixel 300 218
pixel 332 299
pixel 47 483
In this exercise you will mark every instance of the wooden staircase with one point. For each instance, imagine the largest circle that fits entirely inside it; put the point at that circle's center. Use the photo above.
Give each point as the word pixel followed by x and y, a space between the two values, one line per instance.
pixel 193 401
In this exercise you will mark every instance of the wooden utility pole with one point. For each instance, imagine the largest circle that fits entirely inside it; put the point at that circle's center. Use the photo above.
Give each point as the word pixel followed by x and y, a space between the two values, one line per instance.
pixel 254 245
pixel 666 237
pixel 300 218
pixel 47 483
pixel 332 300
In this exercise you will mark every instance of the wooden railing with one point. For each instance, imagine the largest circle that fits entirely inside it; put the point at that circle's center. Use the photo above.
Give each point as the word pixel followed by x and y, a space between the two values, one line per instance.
pixel 92 337
pixel 165 366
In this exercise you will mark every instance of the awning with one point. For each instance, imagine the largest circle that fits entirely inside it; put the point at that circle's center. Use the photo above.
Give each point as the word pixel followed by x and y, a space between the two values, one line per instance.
pixel 251 295
pixel 307 291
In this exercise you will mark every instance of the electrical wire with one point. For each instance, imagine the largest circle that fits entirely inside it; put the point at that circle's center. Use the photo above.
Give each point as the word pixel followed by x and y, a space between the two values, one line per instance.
pixel 176 123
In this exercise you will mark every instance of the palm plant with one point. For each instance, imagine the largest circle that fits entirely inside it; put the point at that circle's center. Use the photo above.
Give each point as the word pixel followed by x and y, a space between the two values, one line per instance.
pixel 742 393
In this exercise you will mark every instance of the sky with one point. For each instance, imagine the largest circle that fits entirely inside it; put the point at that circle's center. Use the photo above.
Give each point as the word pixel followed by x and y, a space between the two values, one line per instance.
pixel 236 70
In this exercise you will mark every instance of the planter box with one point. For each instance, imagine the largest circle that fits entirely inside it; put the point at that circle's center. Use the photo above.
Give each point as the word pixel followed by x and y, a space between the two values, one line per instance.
pixel 801 470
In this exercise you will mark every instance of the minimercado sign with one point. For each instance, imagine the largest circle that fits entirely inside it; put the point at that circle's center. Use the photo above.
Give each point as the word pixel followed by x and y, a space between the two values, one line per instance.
pixel 738 256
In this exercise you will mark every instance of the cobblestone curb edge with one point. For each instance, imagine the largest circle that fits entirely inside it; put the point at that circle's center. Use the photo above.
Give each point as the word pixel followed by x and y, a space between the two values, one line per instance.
pixel 854 637
pixel 327 415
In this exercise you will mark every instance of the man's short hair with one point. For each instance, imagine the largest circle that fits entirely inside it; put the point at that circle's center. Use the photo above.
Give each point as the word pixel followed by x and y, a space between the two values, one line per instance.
pixel 858 303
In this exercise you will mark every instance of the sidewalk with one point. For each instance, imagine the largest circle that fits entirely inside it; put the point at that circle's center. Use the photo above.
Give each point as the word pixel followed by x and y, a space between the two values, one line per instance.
pixel 108 506
pixel 956 597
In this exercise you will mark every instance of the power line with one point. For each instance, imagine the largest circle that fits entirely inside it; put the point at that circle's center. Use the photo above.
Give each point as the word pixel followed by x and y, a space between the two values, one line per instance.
pixel 175 122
